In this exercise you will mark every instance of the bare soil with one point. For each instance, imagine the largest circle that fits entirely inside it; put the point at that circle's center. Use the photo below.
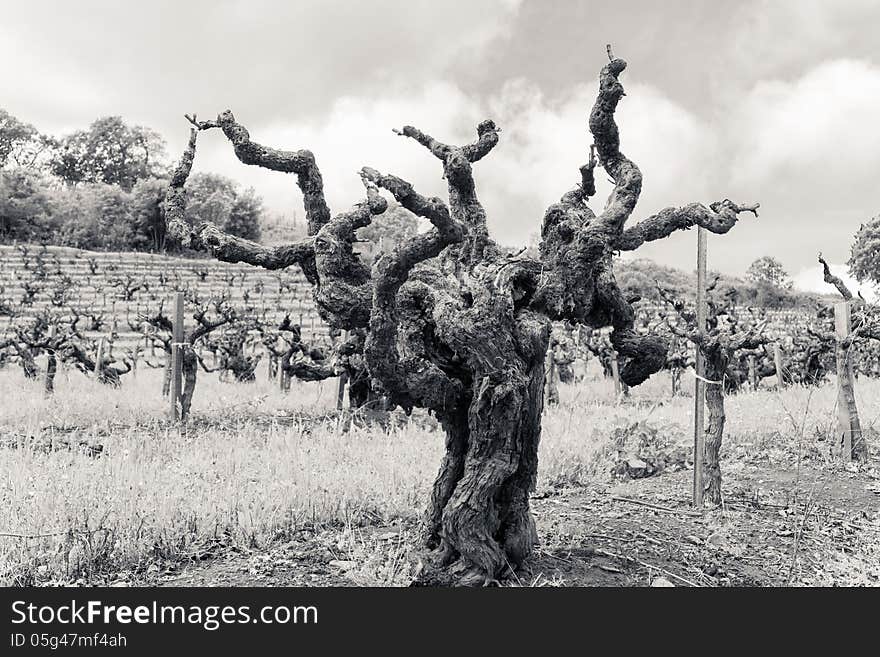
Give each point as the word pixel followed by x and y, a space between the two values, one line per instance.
pixel 811 526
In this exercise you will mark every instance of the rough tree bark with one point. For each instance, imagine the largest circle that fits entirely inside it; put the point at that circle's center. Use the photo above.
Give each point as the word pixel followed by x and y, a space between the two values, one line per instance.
pixel 51 369
pixel 457 326
pixel 676 363
pixel 166 377
pixel 676 380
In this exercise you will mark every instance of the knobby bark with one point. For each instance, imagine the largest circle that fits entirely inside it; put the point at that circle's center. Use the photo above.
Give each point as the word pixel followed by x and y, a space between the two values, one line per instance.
pixel 455 325
pixel 836 281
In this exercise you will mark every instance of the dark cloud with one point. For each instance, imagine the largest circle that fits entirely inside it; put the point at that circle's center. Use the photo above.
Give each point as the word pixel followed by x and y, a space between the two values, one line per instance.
pixel 766 100
pixel 271 59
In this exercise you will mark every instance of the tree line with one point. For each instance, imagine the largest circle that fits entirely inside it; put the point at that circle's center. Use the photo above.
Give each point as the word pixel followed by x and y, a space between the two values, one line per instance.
pixel 103 188
pixel 766 284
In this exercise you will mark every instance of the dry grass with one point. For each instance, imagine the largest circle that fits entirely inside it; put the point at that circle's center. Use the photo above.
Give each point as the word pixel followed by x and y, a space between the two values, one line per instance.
pixel 238 477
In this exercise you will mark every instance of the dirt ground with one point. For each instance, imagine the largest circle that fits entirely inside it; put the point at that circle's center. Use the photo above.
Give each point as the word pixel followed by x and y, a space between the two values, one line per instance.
pixel 808 527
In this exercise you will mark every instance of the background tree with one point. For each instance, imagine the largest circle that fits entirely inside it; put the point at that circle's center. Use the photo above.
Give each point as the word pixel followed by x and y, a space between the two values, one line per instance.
pixel 25 208
pixel 398 225
pixel 13 134
pixel 767 270
pixel 216 199
pixel 245 215
pixel 114 194
pixel 95 216
pixel 209 199
pixel 113 218
pixel 21 145
pixel 148 214
pixel 109 151
pixel 864 260
pixel 456 325
pixel 641 277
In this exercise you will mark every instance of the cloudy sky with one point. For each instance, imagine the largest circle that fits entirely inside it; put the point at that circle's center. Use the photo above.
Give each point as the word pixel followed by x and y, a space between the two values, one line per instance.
pixel 775 101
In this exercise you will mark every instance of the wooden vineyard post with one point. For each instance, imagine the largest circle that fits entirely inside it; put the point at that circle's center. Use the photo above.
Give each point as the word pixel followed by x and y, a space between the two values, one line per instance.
pixel 99 356
pixel 577 350
pixel 849 435
pixel 114 330
pixel 753 373
pixel 51 365
pixel 699 366
pixel 340 392
pixel 343 379
pixel 551 387
pixel 615 374
pixel 777 360
pixel 281 376
pixel 176 356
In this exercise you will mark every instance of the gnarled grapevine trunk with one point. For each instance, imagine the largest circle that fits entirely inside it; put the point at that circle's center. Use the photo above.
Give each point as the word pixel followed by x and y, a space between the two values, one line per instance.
pixel 166 376
pixel 190 370
pixel 718 346
pixel 850 436
pixel 479 511
pixel 715 364
pixel 51 369
pixel 191 361
pixel 457 326
pixel 104 371
pixel 675 374
pixel 27 362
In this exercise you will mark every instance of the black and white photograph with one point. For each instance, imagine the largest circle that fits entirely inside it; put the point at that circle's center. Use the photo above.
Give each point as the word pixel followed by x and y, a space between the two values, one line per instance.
pixel 437 295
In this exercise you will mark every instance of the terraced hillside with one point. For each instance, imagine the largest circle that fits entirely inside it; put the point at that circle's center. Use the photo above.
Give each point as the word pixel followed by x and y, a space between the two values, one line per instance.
pixel 118 286
pixel 114 288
